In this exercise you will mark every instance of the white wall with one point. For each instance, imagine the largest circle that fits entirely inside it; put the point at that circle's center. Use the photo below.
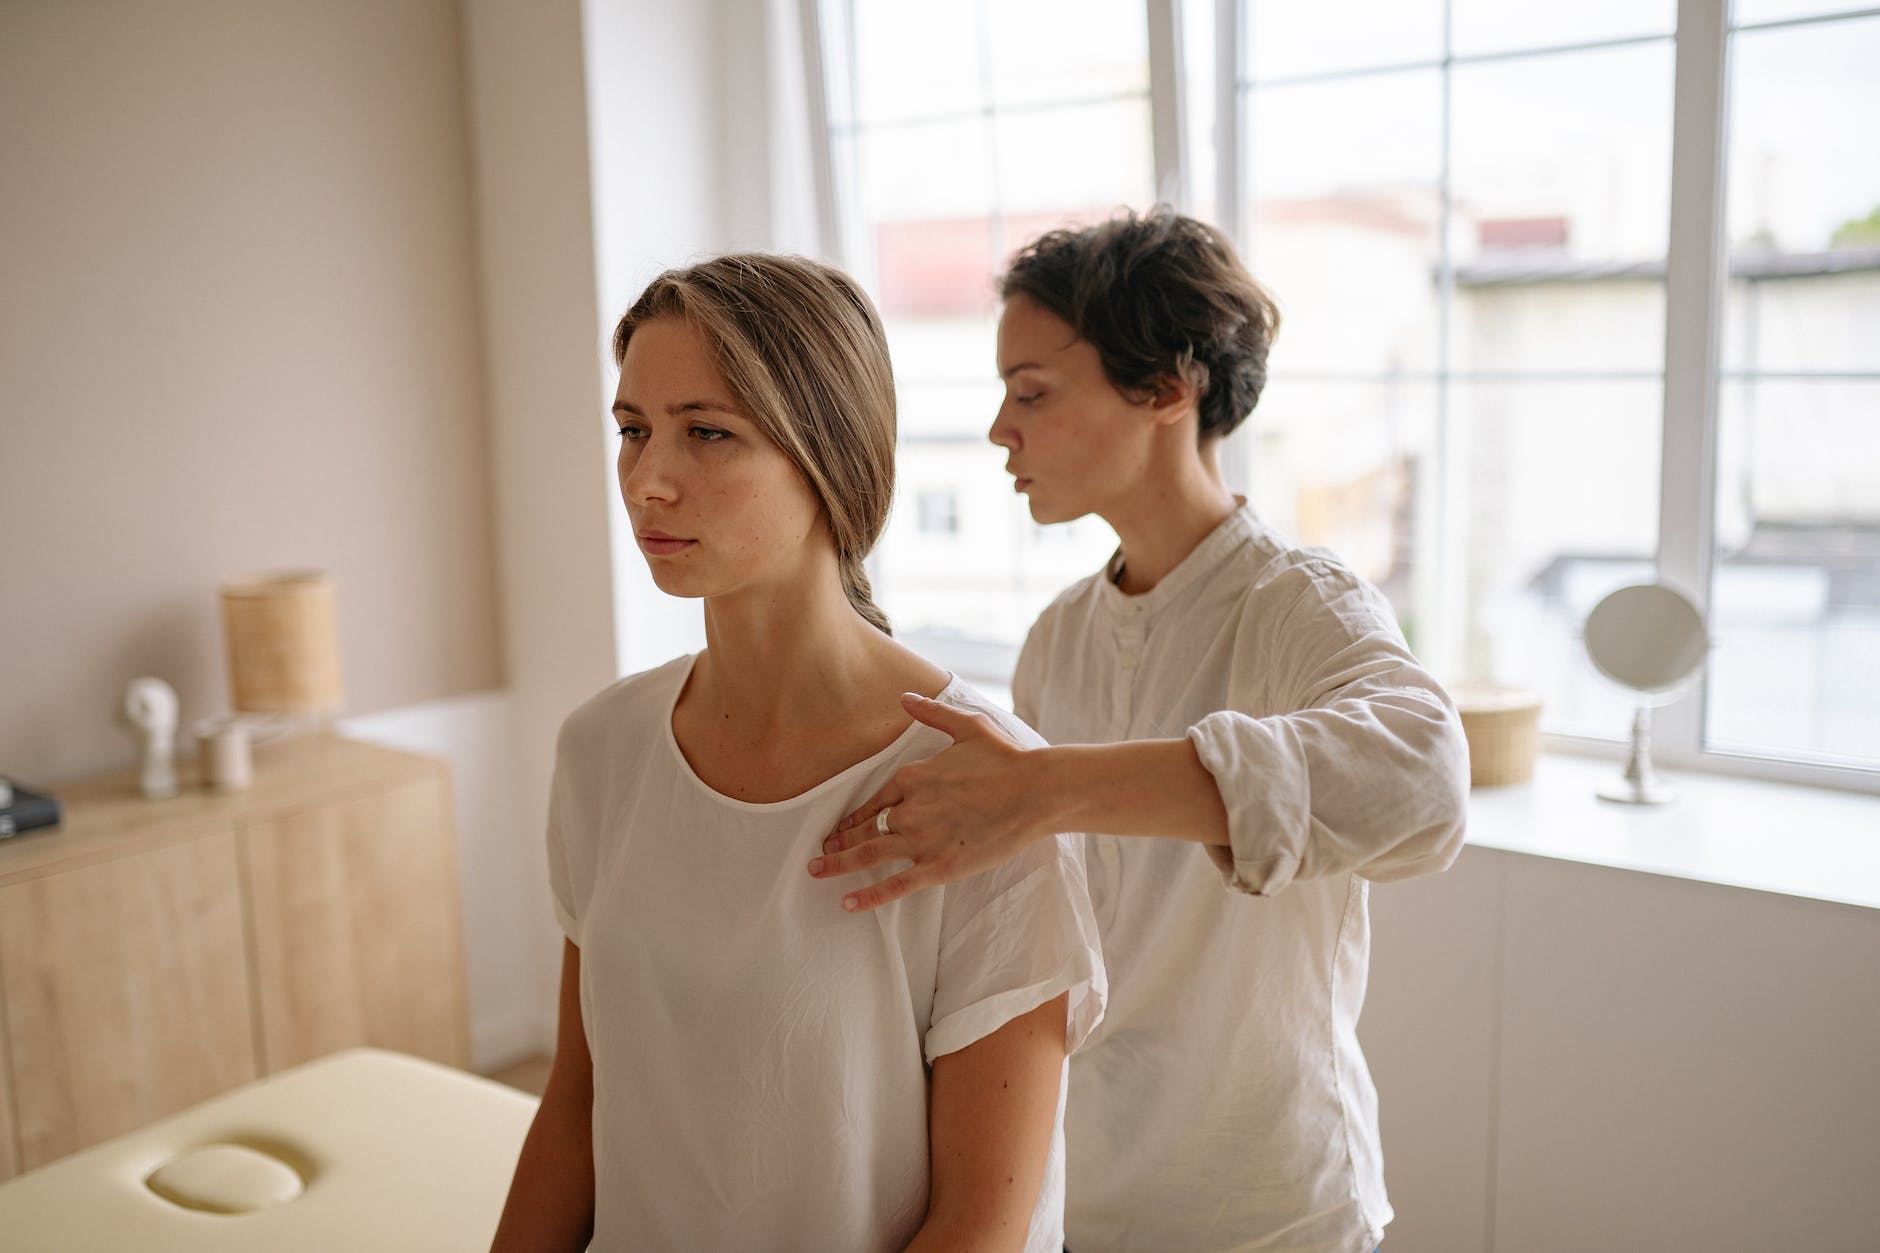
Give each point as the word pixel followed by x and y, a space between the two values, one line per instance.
pixel 548 436
pixel 683 146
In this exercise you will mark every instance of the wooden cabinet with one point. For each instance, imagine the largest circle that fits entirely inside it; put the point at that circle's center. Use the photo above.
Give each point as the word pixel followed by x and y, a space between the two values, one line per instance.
pixel 346 954
pixel 9 1143
pixel 125 992
pixel 153 953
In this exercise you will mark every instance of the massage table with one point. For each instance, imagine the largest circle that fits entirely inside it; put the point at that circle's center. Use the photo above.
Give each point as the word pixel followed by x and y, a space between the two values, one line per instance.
pixel 362 1150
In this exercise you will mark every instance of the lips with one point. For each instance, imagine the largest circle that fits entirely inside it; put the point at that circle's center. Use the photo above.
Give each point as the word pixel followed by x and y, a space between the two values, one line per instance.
pixel 1020 482
pixel 660 544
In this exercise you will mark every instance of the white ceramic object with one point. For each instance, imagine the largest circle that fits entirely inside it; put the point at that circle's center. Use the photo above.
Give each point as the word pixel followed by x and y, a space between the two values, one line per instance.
pixel 150 705
pixel 227 763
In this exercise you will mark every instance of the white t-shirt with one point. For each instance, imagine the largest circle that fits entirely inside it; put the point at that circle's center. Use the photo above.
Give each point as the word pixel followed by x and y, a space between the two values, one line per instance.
pixel 1224 1103
pixel 760 1055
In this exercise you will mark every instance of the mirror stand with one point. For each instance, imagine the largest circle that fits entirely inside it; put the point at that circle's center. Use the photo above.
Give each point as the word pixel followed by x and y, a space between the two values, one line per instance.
pixel 1640 784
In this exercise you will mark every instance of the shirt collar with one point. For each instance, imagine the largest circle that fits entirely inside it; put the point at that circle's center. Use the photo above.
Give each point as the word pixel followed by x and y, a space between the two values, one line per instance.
pixel 1202 560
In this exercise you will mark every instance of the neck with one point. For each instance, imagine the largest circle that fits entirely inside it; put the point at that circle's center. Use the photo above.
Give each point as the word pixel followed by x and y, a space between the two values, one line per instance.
pixel 1182 498
pixel 784 654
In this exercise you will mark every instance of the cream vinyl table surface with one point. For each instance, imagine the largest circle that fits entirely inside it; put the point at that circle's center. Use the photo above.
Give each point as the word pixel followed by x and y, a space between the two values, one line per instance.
pixel 364 1149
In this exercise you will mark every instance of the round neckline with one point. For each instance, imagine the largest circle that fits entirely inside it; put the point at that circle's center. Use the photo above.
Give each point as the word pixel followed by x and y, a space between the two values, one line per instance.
pixel 1198 561
pixel 788 802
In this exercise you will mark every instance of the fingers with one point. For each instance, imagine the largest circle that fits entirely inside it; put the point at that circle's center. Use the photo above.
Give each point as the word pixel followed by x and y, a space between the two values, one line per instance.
pixel 861 823
pixel 871 852
pixel 889 889
pixel 958 723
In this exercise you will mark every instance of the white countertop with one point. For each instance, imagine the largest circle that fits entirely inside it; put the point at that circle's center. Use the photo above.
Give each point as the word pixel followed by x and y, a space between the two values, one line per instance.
pixel 1774 837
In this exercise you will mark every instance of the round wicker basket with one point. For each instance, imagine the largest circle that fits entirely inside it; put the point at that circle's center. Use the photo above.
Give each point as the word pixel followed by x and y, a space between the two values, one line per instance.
pixel 1503 726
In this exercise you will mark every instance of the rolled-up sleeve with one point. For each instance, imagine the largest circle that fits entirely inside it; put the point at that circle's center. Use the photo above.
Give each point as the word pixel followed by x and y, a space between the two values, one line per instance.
pixel 1340 753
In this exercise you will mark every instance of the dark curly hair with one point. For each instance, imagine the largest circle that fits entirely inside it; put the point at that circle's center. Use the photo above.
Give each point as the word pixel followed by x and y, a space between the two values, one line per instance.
pixel 1157 295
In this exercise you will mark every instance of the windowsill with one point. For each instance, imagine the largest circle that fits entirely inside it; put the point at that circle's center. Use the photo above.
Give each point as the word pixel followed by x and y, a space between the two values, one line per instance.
pixel 1772 837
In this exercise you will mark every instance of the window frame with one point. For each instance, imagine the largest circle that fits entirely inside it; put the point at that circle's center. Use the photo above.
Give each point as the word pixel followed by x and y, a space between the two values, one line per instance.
pixel 1696 279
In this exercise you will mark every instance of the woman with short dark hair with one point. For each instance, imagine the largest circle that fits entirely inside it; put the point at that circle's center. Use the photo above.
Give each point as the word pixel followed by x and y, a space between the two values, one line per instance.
pixel 1241 728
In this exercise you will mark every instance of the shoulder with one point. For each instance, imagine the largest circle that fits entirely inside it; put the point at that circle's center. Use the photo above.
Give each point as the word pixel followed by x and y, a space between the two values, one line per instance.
pixel 1280 583
pixel 964 696
pixel 633 703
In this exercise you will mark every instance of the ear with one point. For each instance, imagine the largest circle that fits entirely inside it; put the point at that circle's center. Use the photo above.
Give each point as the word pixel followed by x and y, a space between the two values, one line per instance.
pixel 1173 399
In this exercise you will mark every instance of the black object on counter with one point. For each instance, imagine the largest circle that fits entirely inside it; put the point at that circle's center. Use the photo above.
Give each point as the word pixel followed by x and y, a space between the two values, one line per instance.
pixel 27 810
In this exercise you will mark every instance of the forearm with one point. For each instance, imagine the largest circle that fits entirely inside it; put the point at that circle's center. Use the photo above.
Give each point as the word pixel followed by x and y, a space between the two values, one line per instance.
pixel 1137 787
pixel 551 1199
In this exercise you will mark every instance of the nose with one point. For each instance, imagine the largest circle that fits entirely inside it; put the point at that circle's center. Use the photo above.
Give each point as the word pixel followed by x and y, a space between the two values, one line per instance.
pixel 647 471
pixel 1004 430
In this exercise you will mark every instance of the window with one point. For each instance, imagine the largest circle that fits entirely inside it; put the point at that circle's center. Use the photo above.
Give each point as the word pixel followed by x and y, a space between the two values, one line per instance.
pixel 1795 582
pixel 1520 363
pixel 953 141
pixel 1464 214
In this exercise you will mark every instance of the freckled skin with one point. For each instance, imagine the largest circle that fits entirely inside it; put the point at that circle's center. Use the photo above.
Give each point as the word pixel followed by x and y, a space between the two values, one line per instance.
pixel 736 493
pixel 1063 425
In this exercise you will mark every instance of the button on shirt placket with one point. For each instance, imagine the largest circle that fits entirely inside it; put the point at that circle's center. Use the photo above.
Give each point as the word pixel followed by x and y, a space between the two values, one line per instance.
pixel 1131 630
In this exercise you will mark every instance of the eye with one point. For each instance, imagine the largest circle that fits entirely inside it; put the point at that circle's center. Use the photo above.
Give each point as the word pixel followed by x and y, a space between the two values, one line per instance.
pixel 632 433
pixel 1029 398
pixel 707 434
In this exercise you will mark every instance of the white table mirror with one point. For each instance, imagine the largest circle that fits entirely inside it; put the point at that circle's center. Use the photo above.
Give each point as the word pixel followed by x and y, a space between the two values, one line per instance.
pixel 1649 639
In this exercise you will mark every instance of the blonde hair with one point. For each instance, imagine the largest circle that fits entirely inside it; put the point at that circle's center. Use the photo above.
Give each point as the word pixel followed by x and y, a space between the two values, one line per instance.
pixel 802 350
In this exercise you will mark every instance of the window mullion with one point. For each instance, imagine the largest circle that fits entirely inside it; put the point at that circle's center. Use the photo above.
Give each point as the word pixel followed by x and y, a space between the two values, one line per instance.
pixel 819 60
pixel 1167 124
pixel 1240 447
pixel 1695 277
pixel 1229 73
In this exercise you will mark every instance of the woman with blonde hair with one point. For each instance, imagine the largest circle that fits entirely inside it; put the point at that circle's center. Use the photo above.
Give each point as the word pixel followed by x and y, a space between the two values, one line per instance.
pixel 741 1064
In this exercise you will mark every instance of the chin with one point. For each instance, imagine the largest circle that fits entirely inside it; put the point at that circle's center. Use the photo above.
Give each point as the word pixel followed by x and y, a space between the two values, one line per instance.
pixel 1047 513
pixel 685 584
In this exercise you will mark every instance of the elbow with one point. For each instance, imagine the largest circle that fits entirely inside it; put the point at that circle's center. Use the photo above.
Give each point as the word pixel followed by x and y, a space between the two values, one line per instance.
pixel 1450 837
pixel 1458 769
pixel 1440 814
pixel 1449 820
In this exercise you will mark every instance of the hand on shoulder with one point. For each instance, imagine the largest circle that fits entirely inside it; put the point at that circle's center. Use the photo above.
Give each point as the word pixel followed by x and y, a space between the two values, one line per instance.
pixel 964 810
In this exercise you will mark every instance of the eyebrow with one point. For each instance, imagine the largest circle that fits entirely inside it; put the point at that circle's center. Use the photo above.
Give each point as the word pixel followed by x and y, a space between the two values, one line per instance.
pixel 1010 370
pixel 684 406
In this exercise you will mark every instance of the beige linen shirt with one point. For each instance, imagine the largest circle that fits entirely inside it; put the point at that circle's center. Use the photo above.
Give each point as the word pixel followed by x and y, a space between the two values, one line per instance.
pixel 1223 1103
